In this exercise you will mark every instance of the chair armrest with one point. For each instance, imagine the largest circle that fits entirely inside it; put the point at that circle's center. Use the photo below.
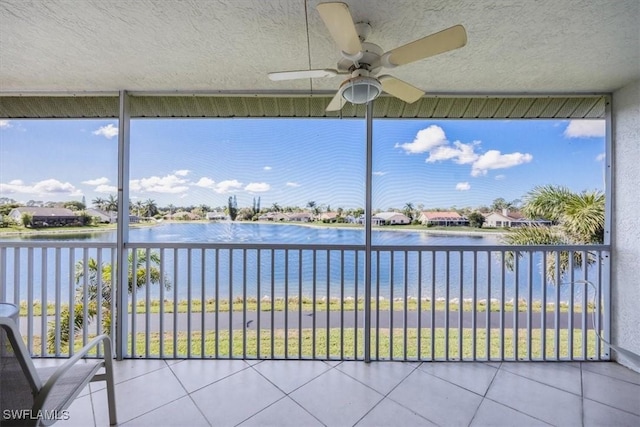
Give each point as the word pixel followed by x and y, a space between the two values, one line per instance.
pixel 51 382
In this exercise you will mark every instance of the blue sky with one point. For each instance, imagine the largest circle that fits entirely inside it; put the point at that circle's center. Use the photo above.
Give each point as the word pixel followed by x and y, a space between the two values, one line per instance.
pixel 292 161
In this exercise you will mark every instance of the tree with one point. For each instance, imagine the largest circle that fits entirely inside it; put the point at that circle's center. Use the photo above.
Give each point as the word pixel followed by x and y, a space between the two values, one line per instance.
pixel 98 202
pixel 578 219
pixel 138 206
pixel 408 210
pixel 103 277
pixel 476 219
pixel 111 204
pixel 27 219
pixel 232 208
pixel 499 204
pixel 276 207
pixel 74 205
pixel 150 208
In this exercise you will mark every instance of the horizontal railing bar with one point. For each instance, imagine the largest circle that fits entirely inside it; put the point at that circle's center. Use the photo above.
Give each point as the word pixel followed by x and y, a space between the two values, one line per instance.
pixel 284 246
pixel 59 244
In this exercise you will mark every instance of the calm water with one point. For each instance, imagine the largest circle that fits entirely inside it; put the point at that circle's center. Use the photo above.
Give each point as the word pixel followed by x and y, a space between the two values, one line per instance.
pixel 274 273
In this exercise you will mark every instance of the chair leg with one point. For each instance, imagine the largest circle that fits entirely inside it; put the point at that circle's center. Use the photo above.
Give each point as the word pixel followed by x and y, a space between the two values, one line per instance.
pixel 111 392
pixel 111 398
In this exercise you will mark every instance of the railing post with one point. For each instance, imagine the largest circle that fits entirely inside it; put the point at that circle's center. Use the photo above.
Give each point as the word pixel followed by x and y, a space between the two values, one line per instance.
pixel 608 175
pixel 367 235
pixel 122 264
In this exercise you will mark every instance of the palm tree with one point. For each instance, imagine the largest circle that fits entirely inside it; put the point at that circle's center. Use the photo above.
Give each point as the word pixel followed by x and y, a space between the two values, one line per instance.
pixel 408 210
pixel 276 207
pixel 138 205
pixel 150 208
pixel 578 218
pixel 105 275
pixel 98 202
pixel 111 204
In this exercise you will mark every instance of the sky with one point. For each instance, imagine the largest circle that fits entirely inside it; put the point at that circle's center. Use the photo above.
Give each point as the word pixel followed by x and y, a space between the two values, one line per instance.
pixel 429 163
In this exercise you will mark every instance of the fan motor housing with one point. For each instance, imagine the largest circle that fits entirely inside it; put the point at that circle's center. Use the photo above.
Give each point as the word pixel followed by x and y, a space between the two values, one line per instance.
pixel 370 59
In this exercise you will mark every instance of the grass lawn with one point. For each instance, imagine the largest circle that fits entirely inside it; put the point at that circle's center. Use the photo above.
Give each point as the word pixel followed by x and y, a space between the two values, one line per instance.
pixel 279 304
pixel 300 344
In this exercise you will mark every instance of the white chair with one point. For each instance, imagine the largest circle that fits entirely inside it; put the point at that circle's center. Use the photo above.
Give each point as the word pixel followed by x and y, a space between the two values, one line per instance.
pixel 40 397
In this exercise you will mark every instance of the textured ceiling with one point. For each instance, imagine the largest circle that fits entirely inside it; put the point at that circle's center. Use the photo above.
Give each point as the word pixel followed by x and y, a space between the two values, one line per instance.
pixel 514 46
pixel 228 46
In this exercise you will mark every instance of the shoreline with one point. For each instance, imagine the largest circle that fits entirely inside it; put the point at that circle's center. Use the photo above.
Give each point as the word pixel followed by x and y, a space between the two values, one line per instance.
pixel 397 228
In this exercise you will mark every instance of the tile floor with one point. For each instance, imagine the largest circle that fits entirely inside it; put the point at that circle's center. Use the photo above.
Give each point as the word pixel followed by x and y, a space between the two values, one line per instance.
pixel 314 393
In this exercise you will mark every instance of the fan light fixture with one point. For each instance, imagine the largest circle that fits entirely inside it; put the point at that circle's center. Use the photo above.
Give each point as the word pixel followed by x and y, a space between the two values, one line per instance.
pixel 361 89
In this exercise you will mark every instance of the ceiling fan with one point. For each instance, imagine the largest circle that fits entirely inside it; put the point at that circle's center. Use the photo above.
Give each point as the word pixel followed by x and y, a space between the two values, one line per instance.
pixel 362 61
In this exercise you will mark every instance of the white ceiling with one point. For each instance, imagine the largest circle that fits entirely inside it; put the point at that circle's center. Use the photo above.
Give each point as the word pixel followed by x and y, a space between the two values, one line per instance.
pixel 526 46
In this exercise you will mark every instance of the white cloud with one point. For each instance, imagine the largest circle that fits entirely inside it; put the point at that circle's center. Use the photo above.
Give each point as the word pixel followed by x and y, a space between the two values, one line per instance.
pixel 380 173
pixel 205 182
pixel 493 159
pixel 182 172
pixel 257 187
pixel 169 184
pixel 585 129
pixel 97 181
pixel 267 168
pixel 463 186
pixel 5 124
pixel 461 153
pixel 293 184
pixel 600 157
pixel 108 131
pixel 425 140
pixel 107 189
pixel 46 187
pixel 500 177
pixel 225 186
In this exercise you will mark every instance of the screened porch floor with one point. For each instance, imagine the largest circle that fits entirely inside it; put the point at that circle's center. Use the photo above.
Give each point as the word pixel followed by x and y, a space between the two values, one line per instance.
pixel 314 393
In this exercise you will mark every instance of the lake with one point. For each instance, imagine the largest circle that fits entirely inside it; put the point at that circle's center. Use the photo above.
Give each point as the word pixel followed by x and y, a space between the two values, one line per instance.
pixel 331 273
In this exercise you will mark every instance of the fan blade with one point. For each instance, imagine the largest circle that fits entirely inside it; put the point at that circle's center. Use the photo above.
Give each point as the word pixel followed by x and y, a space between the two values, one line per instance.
pixel 336 103
pixel 337 18
pixel 443 41
pixel 301 74
pixel 400 89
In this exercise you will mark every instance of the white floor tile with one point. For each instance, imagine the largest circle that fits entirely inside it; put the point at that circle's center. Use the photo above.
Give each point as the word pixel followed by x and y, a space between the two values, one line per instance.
pixel 139 396
pixel 596 414
pixel 436 400
pixel 285 412
pixel 612 369
pixel 336 399
pixel 610 391
pixel 181 412
pixel 380 376
pixel 124 370
pixel 559 375
pixel 494 414
pixel 389 413
pixel 195 374
pixel 80 413
pixel 288 375
pixel 236 398
pixel 475 377
pixel 538 400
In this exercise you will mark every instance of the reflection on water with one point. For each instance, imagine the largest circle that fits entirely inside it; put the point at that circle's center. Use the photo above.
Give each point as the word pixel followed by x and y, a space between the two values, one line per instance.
pixel 333 272
pixel 243 232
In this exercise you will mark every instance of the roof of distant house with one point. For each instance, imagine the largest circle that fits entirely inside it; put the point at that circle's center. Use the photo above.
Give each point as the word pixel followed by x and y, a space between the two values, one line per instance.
pixel 441 215
pixel 387 215
pixel 37 211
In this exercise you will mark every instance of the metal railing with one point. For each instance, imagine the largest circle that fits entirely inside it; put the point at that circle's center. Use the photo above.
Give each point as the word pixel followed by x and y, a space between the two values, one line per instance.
pixel 307 301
